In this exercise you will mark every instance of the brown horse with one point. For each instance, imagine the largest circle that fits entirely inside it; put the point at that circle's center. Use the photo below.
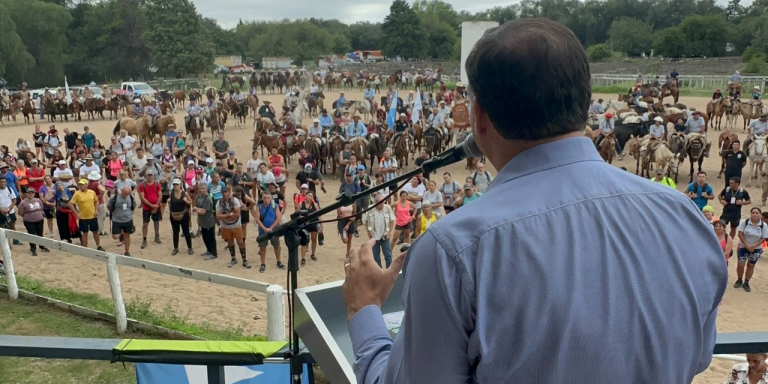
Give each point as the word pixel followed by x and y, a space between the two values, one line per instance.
pixel 715 110
pixel 696 152
pixel 747 112
pixel 10 113
pixel 165 107
pixel 402 146
pixel 735 87
pixel 268 141
pixel 359 147
pixel 336 144
pixel 608 149
pixel 670 89
pixel 724 142
pixel 179 98
pixel 253 103
pixel 28 109
pixel 418 133
pixel 113 106
pixel 76 108
pixel 138 128
pixel 92 108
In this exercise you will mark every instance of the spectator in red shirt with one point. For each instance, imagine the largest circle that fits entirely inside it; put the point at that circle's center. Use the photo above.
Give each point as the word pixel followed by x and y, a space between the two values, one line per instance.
pixel 36 176
pixel 150 192
pixel 94 184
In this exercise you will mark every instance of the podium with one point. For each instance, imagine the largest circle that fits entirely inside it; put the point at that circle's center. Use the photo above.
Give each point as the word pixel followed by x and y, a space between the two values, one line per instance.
pixel 321 323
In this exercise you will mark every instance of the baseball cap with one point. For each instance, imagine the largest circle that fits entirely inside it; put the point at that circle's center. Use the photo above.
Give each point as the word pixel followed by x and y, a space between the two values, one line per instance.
pixel 708 208
pixel 307 167
pixel 659 171
pixel 82 181
pixel 61 162
pixel 191 162
pixel 209 160
pixel 29 190
pixel 468 186
pixel 176 182
pixel 231 151
pixel 361 167
pixel 304 186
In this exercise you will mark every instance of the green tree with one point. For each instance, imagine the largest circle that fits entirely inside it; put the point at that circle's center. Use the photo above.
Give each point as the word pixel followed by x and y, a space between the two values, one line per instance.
pixel 15 61
pixel 42 29
pixel 705 35
pixel 733 10
pixel 302 40
pixel 364 35
pixel 631 36
pixel 670 43
pixel 598 52
pixel 177 42
pixel 404 35
pixel 223 40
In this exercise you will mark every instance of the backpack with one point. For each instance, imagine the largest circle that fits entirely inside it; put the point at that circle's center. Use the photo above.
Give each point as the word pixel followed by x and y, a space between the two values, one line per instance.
pixel 143 186
pixel 262 209
pixel 113 201
pixel 695 188
pixel 746 221
pixel 455 185
pixel 739 195
pixel 487 176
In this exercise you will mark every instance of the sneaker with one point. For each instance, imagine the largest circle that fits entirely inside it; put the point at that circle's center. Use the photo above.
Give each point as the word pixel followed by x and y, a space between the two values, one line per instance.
pixel 738 283
pixel 210 257
pixel 746 287
pixel 102 233
pixel 16 242
pixel 190 252
pixel 127 254
pixel 246 264
pixel 303 262
pixel 34 253
pixel 263 268
pixel 280 265
pixel 46 250
pixel 232 263
pixel 157 240
pixel 313 257
pixel 100 248
pixel 143 244
pixel 174 252
pixel 357 234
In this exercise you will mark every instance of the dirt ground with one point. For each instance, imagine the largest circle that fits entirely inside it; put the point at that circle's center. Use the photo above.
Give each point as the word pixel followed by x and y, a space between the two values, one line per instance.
pixel 226 306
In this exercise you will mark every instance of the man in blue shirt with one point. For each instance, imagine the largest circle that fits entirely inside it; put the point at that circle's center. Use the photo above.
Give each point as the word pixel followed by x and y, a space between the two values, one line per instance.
pixel 700 191
pixel 369 94
pixel 341 102
pixel 356 128
pixel 326 121
pixel 193 111
pixel 584 291
pixel 138 109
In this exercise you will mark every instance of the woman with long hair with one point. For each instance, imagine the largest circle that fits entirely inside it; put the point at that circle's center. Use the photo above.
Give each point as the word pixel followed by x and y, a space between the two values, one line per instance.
pixel 66 219
pixel 31 212
pixel 53 162
pixel 403 217
pixel 48 196
pixel 114 166
pixel 156 148
pixel 247 205
pixel 97 152
pixel 180 217
pixel 310 205
pixel 726 243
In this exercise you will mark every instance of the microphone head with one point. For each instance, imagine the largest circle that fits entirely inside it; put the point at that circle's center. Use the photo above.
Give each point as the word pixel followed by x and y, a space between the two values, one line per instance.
pixel 471 148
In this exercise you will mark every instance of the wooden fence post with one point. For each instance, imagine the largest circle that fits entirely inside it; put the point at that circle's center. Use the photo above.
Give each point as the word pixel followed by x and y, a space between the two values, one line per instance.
pixel 10 274
pixel 117 294
pixel 275 313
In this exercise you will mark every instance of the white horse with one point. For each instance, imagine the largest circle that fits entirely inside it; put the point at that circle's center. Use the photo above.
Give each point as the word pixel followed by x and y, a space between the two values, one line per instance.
pixel 757 155
pixel 616 105
pixel 301 111
pixel 732 117
pixel 363 107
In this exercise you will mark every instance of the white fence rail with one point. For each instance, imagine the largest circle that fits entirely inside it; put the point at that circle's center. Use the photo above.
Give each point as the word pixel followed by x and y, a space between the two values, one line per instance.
pixel 688 81
pixel 275 293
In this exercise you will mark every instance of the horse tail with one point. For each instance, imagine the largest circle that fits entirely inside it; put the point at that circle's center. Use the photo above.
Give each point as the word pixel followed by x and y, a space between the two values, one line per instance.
pixel 117 128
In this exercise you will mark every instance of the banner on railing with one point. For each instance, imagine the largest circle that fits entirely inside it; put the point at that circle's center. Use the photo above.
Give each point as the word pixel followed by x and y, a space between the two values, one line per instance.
pixel 198 374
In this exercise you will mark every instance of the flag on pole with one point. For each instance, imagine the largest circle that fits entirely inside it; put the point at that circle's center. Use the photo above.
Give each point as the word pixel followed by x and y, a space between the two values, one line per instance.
pixel 416 107
pixel 392 116
pixel 66 89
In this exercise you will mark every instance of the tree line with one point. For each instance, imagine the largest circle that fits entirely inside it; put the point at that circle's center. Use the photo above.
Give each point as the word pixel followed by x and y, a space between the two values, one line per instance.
pixel 103 41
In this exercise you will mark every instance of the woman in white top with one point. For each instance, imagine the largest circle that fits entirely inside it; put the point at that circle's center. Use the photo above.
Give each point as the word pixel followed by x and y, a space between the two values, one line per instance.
pixel 156 148
pixel 657 129
pixel 252 166
pixel 754 371
pixel 434 199
pixel 752 232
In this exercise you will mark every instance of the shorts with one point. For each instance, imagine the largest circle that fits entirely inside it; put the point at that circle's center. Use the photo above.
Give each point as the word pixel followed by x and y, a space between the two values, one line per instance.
pixel 88 225
pixel 7 219
pixel 166 198
pixel 245 217
pixel 275 241
pixel 312 227
pixel 48 214
pixel 732 219
pixel 232 233
pixel 119 228
pixel 744 255
pixel 157 216
pixel 280 183
pixel 343 223
pixel 404 227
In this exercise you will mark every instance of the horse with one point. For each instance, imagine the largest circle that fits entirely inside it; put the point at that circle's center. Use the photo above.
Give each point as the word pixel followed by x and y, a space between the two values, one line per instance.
pixel 163 125
pixel 432 143
pixel 279 80
pixel 747 113
pixel 360 148
pixel 213 121
pixel 670 89
pixel 138 128
pixel 656 154
pixel 179 98
pixel 315 103
pixel 757 154
pixel 362 107
pixel 318 152
pixel 418 133
pixel 239 111
pixel 337 145
pixel 676 143
pixel 28 109
pixel 252 101
pixel 376 146
pixel 56 107
pixel 76 108
pixel 237 79
pixel 734 87
pixel 632 146
pixel 402 146
pixel 113 106
pixel 195 129
pixel 696 152
pixel 10 112
pixel 608 149
pixel 715 109
pixel 732 118
pixel 723 145
pixel 267 140
pixel 616 105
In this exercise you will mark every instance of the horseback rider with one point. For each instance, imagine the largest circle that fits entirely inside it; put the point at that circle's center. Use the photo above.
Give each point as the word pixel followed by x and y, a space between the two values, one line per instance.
pixel 326 122
pixel 316 131
pixel 193 111
pixel 138 109
pixel 639 79
pixel 60 94
pixel 656 85
pixel 47 93
pixel 435 121
pixel 289 124
pixel 695 125
pixel 444 110
pixel 356 128
pixel 154 113
pixel 756 100
pixel 5 99
pixel 106 93
pixel 607 128
pixel 757 127
pixel 674 74
pixel 657 130
pixel 252 90
pixel 267 111
pixel 24 94
pixel 313 90
pixel 636 92
pixel 87 93
pixel 239 98
pixel 735 79
pixel 401 125
pixel 340 103
pixel 369 95
pixel 410 100
pixel 293 101
pixel 717 95
pixel 461 90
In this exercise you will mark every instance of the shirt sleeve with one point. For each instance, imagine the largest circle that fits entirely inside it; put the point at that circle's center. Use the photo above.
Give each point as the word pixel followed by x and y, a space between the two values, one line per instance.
pixel 437 318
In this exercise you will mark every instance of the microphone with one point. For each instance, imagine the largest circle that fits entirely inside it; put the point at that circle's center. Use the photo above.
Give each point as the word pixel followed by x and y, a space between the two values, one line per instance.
pixel 461 151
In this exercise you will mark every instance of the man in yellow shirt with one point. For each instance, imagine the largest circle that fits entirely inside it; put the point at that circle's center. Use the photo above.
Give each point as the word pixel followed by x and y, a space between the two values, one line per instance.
pixel 87 205
pixel 661 179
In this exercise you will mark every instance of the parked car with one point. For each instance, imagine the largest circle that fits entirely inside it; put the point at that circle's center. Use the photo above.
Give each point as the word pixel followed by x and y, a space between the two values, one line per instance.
pixel 137 88
pixel 222 69
pixel 242 69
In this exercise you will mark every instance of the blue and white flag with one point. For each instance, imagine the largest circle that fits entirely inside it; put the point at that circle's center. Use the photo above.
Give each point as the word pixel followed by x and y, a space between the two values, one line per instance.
pixel 197 374
pixel 416 108
pixel 392 116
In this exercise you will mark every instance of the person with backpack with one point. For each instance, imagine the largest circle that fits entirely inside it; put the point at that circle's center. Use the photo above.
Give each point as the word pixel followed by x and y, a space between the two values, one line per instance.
pixel 267 217
pixel 752 234
pixel 700 192
pixel 733 198
pixel 228 214
pixel 481 179
pixel 205 210
pixel 150 192
pixel 450 190
pixel 121 206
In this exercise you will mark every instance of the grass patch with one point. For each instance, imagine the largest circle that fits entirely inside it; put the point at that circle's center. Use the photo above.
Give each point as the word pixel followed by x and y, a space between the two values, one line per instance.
pixel 26 319
pixel 139 308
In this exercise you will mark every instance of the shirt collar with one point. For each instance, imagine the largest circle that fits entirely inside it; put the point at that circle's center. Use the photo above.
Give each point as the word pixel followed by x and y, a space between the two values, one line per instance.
pixel 551 155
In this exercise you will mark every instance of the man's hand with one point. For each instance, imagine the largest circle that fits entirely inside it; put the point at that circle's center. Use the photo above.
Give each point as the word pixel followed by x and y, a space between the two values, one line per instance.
pixel 366 283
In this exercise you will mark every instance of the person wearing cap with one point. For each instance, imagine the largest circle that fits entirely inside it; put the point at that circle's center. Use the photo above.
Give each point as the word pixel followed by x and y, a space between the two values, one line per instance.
pixel 657 130
pixel 228 213
pixel 401 125
pixel 268 112
pixel 230 161
pixel 356 128
pixel 267 216
pixel 205 210
pixel 470 194
pixel 717 96
pixel 661 179
pixel 365 182
pixel 311 177
pixel 94 184
pixel 696 126
pixel 35 175
pixel 241 179
pixel 138 109
pixel 150 192
pixel 179 206
pixel 87 205
pixel 735 79
pixel 121 206
pixel 193 111
pixel 325 120
pixel 62 173
pixel 709 214
pixel 756 100
pixel 8 201
pixel 316 131
pixel 435 121
pixel 443 109
pixel 31 212
pixel 209 168
pixel 699 191
pixel 759 128
pixel 607 127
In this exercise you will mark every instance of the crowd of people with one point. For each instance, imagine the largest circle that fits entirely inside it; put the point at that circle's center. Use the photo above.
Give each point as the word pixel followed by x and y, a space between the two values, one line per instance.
pixel 89 191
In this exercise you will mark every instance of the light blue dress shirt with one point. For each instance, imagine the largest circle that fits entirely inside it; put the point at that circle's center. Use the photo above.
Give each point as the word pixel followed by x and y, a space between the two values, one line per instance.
pixel 325 121
pixel 355 131
pixel 341 102
pixel 566 270
pixel 368 93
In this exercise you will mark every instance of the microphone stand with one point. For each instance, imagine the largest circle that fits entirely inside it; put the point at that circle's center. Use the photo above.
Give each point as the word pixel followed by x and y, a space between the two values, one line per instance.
pixel 300 219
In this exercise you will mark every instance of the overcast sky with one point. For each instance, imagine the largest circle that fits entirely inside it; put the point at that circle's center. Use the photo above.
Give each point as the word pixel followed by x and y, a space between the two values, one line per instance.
pixel 228 12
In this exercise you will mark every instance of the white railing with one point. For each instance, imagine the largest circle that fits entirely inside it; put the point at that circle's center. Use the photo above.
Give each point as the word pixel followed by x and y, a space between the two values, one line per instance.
pixel 275 293
pixel 709 82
